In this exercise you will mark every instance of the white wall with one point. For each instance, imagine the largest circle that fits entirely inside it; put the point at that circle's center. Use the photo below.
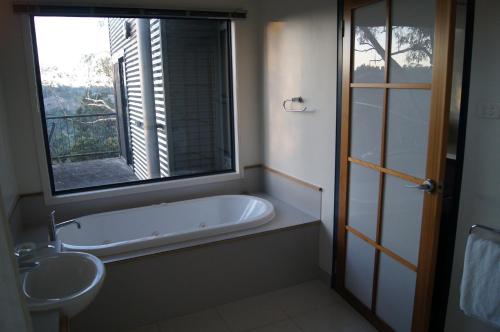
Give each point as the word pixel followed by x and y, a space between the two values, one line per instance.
pixel 300 59
pixel 480 196
pixel 17 80
pixel 7 175
pixel 13 313
pixel 14 76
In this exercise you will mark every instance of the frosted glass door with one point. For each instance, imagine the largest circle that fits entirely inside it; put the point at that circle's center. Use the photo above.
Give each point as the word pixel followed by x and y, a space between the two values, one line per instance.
pixel 393 107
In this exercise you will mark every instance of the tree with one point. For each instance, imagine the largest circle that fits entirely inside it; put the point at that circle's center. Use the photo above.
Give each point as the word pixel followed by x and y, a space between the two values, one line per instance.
pixel 93 135
pixel 414 42
pixel 80 107
pixel 99 73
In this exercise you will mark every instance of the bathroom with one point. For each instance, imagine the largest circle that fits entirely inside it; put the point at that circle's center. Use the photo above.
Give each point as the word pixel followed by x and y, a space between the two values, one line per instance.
pixel 259 237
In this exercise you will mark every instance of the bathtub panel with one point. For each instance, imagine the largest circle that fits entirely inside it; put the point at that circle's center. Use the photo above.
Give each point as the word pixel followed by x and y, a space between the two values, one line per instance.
pixel 157 287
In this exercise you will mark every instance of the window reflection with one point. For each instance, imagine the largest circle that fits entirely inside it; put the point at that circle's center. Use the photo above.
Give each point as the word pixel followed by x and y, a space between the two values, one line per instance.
pixel 412 41
pixel 369 43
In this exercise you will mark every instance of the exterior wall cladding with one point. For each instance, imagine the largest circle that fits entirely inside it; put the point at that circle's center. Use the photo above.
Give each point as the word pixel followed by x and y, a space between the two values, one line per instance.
pixel 186 58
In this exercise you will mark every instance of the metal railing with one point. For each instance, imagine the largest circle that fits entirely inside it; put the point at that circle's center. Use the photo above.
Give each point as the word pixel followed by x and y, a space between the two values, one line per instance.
pixel 82 137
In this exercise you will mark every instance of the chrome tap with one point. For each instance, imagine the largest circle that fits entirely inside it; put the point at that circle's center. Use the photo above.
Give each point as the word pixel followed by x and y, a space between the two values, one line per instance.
pixel 24 261
pixel 53 226
pixel 27 266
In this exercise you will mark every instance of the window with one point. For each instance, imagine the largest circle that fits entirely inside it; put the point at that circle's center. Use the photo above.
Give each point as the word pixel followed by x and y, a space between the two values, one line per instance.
pixel 133 100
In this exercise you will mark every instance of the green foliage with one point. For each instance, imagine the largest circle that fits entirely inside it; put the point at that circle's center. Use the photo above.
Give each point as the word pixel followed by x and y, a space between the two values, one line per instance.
pixel 415 43
pixel 94 135
pixel 81 120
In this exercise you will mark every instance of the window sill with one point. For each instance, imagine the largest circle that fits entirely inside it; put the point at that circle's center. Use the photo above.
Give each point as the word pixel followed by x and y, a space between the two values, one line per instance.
pixel 138 189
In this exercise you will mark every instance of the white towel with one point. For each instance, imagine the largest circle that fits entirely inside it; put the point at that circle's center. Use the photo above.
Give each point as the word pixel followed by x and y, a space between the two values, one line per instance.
pixel 480 289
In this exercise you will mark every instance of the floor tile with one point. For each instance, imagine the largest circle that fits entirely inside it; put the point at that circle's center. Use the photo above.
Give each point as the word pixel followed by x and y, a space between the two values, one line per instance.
pixel 307 307
pixel 335 318
pixel 147 328
pixel 304 297
pixel 283 326
pixel 204 321
pixel 251 313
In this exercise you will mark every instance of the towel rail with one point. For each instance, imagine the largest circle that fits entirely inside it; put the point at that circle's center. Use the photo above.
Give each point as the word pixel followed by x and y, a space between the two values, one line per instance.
pixel 474 227
pixel 294 100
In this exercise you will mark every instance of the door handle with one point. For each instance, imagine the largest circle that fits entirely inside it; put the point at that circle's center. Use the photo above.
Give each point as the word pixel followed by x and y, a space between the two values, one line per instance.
pixel 428 186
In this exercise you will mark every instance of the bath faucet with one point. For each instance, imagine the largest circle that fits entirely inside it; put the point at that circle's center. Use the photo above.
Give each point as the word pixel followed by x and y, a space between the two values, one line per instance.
pixel 53 226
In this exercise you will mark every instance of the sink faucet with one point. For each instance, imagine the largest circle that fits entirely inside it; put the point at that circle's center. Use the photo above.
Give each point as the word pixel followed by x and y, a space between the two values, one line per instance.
pixel 24 261
pixel 27 266
pixel 53 226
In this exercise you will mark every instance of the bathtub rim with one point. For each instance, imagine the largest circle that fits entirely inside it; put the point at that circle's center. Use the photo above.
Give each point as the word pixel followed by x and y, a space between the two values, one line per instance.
pixel 104 250
pixel 182 201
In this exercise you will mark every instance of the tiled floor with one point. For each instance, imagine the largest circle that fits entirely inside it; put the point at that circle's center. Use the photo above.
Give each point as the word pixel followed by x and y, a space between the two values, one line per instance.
pixel 308 307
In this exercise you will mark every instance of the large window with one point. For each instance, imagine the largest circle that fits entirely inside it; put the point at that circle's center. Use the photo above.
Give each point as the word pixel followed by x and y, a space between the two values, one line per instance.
pixel 134 100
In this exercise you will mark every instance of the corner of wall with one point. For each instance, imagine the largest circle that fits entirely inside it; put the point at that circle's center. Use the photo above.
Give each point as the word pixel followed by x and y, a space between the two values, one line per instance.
pixel 480 179
pixel 8 184
pixel 301 144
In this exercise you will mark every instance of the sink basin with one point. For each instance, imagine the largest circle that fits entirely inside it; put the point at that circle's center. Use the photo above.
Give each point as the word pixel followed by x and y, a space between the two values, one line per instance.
pixel 66 281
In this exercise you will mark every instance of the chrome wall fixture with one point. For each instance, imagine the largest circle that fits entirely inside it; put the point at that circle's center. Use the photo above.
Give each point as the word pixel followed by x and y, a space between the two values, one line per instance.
pixel 288 103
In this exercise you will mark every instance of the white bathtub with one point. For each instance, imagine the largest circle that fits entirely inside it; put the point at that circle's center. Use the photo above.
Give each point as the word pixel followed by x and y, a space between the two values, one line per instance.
pixel 123 231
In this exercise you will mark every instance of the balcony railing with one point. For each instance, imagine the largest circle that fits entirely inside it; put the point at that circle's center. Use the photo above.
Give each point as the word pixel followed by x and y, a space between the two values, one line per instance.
pixel 82 137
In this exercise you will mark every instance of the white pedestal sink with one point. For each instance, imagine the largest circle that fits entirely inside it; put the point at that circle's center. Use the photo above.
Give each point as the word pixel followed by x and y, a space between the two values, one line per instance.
pixel 66 281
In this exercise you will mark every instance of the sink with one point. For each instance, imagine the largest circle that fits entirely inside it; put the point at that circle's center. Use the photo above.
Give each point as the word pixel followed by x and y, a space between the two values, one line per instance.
pixel 66 281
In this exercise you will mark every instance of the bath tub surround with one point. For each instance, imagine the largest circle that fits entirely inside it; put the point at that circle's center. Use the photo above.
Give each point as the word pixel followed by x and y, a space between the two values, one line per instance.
pixel 192 276
pixel 119 232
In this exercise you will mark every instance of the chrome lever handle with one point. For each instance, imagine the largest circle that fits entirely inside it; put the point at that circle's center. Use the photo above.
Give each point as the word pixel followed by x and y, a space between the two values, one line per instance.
pixel 428 186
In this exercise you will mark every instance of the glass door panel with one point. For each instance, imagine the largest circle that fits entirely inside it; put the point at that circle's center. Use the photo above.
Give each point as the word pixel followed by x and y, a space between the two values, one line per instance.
pixel 395 294
pixel 412 41
pixel 366 124
pixel 402 218
pixel 363 200
pixel 408 131
pixel 359 268
pixel 394 90
pixel 370 43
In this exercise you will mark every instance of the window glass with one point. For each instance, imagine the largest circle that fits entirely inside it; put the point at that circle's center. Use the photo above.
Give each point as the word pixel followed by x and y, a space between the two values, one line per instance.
pixel 133 99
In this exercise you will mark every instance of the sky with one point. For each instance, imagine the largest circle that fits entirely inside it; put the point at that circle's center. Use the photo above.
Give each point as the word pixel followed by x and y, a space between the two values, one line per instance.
pixel 62 41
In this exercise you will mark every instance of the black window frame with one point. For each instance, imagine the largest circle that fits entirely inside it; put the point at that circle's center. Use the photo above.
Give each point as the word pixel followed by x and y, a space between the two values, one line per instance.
pixel 63 12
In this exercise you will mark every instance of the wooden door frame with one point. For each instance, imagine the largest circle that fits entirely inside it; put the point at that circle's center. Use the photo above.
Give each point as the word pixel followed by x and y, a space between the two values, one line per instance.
pixel 449 226
pixel 440 99
pixel 436 167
